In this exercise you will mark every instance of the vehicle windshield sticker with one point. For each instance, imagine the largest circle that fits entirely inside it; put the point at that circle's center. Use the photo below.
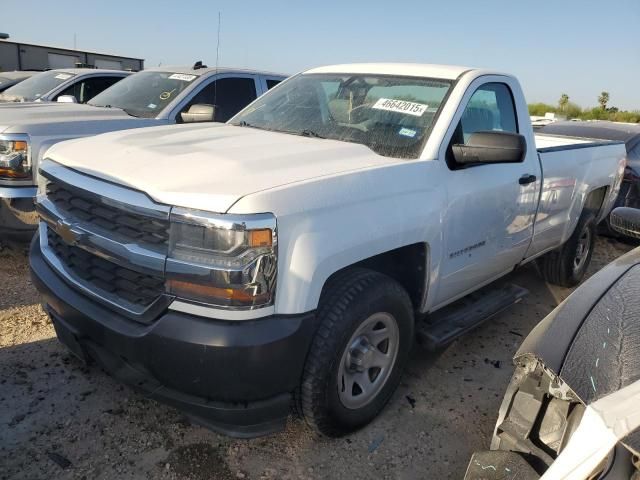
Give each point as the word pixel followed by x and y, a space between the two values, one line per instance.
pixel 166 95
pixel 63 76
pixel 401 106
pixel 407 132
pixel 183 77
pixel 152 106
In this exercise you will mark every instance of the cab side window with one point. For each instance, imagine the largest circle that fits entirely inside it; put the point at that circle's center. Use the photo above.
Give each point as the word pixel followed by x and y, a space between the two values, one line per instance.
pixel 95 85
pixel 228 95
pixel 490 108
pixel 88 88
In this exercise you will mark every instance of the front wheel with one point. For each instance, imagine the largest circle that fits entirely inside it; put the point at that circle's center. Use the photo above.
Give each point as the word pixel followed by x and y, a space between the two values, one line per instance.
pixel 567 265
pixel 359 351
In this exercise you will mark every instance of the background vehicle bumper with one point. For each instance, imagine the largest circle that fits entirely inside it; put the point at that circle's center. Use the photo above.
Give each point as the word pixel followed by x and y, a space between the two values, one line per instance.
pixel 18 216
pixel 233 377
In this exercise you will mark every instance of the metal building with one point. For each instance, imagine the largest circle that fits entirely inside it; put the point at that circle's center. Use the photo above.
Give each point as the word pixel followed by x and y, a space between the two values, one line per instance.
pixel 26 56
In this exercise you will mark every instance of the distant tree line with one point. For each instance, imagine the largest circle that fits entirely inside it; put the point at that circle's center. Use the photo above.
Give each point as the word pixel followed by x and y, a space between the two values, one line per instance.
pixel 568 109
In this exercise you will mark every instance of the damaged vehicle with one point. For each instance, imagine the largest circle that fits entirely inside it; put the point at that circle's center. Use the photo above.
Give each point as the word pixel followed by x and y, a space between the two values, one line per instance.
pixel 572 409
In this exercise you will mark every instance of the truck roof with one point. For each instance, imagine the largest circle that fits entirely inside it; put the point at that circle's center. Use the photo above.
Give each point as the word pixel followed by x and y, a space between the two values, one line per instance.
pixel 17 74
pixel 207 70
pixel 77 71
pixel 447 72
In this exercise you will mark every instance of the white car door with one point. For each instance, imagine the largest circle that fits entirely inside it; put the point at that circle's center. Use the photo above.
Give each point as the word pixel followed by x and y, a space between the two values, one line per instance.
pixel 490 209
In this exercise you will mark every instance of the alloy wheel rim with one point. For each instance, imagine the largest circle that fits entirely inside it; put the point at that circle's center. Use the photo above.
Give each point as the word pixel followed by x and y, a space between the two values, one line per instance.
pixel 368 360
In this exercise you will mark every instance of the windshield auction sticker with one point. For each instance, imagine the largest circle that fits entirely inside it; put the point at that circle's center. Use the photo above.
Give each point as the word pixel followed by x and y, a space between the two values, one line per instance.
pixel 400 106
pixel 182 76
pixel 63 76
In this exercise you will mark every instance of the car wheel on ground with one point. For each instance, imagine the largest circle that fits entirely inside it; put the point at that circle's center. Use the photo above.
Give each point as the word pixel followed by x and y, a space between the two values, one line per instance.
pixel 357 356
pixel 567 265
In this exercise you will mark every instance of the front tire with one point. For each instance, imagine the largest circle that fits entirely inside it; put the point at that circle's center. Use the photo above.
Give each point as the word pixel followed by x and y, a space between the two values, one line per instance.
pixel 358 353
pixel 567 265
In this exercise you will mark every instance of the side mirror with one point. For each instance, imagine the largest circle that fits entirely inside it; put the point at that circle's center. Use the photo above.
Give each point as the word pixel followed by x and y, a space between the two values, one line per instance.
pixel 491 147
pixel 67 99
pixel 199 113
pixel 626 221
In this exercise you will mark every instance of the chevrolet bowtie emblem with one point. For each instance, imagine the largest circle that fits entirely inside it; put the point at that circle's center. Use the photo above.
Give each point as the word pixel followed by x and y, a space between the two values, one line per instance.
pixel 66 233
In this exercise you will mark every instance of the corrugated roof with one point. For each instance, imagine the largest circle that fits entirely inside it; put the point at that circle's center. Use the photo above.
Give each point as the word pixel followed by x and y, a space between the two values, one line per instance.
pixel 70 49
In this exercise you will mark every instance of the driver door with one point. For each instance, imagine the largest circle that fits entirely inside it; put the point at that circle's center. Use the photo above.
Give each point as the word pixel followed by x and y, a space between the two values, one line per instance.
pixel 488 222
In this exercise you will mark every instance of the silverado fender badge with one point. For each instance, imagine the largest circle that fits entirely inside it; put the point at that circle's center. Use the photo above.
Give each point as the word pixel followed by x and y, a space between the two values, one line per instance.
pixel 468 249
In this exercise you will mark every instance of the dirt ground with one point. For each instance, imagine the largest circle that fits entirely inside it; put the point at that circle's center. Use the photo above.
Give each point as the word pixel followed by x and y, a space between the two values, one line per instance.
pixel 60 419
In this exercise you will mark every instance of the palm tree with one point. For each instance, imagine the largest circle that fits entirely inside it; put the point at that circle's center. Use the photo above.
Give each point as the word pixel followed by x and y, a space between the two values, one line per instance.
pixel 603 99
pixel 563 102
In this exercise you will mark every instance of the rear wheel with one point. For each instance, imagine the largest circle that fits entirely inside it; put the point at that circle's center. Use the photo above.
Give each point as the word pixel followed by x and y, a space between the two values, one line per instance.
pixel 567 265
pixel 358 354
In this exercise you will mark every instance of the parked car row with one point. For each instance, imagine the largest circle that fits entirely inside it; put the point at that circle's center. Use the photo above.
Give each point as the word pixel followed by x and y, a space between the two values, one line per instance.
pixel 9 79
pixel 292 255
pixel 161 96
pixel 76 85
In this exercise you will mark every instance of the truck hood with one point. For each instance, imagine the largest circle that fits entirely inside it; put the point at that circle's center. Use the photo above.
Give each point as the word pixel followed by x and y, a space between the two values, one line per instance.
pixel 5 98
pixel 35 118
pixel 210 166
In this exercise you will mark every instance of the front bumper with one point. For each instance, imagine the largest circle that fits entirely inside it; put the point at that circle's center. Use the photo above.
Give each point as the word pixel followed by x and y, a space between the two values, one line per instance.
pixel 233 377
pixel 18 216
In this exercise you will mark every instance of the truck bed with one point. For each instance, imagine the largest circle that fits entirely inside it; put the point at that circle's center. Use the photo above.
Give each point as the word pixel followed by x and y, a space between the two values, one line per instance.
pixel 571 168
pixel 552 143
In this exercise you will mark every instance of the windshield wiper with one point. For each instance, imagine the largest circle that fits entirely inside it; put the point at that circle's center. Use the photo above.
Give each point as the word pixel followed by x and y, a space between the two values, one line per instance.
pixel 243 123
pixel 127 112
pixel 111 107
pixel 310 133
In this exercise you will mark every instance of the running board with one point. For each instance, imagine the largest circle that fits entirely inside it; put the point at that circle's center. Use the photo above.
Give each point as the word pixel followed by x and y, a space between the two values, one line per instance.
pixel 444 326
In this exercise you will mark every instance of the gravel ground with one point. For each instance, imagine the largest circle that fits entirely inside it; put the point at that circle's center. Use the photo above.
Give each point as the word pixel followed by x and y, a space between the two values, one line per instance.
pixel 61 419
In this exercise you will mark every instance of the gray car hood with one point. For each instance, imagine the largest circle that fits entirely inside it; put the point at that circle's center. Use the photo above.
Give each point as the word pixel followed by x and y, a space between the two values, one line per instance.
pixel 45 118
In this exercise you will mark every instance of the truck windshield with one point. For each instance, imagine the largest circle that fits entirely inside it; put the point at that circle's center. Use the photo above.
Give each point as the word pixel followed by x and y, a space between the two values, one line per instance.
pixel 391 115
pixel 35 87
pixel 144 94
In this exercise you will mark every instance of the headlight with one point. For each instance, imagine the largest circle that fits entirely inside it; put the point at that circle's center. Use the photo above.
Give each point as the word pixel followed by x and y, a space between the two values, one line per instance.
pixel 224 260
pixel 14 158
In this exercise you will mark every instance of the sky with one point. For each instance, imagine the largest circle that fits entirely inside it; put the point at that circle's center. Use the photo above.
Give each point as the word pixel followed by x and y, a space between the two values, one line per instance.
pixel 578 47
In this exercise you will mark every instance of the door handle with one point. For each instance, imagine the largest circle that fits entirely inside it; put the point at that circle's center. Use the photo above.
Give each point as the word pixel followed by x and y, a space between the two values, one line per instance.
pixel 526 179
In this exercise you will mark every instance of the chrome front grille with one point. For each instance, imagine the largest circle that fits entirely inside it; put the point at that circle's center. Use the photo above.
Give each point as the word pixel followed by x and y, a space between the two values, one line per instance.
pixel 88 208
pixel 106 278
pixel 106 240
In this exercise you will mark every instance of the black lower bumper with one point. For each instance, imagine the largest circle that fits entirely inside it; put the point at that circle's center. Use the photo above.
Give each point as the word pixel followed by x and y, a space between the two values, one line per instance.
pixel 18 218
pixel 233 377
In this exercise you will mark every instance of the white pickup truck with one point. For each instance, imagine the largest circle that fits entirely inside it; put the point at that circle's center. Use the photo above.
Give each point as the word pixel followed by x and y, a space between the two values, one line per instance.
pixel 291 256
pixel 157 96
